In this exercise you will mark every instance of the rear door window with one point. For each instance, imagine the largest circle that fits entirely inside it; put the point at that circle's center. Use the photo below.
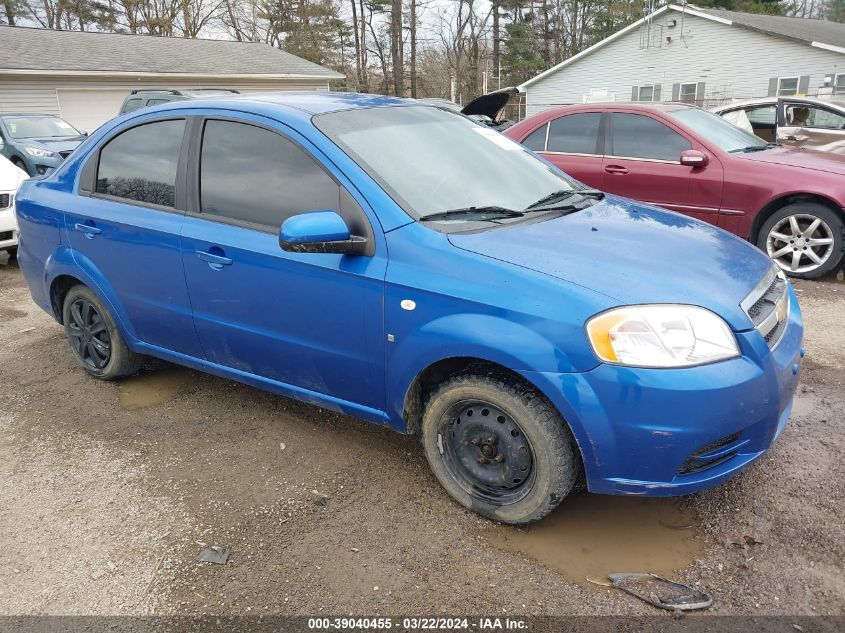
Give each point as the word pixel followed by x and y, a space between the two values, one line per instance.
pixel 253 175
pixel 640 136
pixel 575 133
pixel 141 163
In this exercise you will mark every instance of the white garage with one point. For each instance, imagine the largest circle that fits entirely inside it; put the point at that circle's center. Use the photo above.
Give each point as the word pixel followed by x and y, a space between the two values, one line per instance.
pixel 84 77
pixel 88 109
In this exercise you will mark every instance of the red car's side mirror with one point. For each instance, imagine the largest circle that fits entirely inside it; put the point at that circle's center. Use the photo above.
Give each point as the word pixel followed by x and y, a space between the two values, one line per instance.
pixel 694 158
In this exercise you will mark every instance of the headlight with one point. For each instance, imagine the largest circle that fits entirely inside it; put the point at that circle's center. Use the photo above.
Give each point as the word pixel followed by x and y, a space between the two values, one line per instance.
pixel 661 336
pixel 38 152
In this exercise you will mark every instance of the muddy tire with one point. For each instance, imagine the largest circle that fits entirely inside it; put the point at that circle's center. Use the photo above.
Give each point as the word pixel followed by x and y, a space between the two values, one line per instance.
pixel 94 338
pixel 499 448
pixel 805 239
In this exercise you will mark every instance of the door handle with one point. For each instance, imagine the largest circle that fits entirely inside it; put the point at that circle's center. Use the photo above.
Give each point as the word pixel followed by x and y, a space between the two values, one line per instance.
pixel 616 169
pixel 88 229
pixel 791 138
pixel 214 261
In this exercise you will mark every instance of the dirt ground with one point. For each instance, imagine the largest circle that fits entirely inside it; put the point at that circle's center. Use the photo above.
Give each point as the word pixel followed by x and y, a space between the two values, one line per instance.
pixel 109 491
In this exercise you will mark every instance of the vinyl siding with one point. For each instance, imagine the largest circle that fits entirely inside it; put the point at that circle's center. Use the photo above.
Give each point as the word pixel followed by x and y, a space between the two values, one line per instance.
pixel 40 94
pixel 732 61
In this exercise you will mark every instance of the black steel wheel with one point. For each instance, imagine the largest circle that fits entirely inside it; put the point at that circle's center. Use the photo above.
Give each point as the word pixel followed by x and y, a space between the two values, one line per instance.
pixel 88 335
pixel 499 447
pixel 487 453
pixel 94 338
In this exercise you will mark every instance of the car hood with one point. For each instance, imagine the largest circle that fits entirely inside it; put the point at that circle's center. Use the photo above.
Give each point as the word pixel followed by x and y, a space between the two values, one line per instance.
pixel 54 144
pixel 634 254
pixel 491 104
pixel 833 163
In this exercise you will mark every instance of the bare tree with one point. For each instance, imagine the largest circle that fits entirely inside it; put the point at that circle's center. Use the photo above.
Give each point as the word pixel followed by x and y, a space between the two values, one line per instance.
pixel 396 48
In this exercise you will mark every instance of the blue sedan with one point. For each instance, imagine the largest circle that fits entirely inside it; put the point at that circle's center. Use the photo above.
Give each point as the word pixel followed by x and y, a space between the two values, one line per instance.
pixel 407 266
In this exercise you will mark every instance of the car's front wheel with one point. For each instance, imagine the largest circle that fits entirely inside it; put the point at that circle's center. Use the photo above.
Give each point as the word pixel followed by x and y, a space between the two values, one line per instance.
pixel 804 238
pixel 94 338
pixel 499 448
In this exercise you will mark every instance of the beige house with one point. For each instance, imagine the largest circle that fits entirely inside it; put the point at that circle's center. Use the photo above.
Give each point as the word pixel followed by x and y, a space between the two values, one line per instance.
pixel 84 77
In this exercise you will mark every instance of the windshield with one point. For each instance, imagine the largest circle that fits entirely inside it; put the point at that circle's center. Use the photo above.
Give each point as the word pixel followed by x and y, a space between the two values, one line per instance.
pixel 431 161
pixel 715 129
pixel 39 127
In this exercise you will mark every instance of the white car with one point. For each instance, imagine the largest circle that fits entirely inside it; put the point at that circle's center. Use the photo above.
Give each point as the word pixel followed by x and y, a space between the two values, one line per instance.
pixel 11 178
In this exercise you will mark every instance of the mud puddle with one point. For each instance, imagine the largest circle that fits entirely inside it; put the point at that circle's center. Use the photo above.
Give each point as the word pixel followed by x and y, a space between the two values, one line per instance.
pixel 150 389
pixel 590 536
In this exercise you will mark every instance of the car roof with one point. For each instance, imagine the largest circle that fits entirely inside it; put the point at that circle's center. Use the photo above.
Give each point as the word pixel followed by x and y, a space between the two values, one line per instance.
pixel 663 106
pixel 309 102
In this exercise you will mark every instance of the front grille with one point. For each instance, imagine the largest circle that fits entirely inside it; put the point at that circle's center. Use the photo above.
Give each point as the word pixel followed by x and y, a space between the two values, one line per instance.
pixel 768 307
pixel 6 235
pixel 66 153
pixel 5 200
pixel 712 454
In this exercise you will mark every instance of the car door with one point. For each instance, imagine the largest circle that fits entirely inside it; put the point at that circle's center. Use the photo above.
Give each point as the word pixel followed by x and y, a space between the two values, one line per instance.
pixel 812 126
pixel 124 228
pixel 310 320
pixel 572 143
pixel 642 162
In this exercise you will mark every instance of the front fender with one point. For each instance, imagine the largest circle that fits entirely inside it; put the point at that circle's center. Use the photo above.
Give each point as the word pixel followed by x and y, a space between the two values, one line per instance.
pixel 66 261
pixel 485 337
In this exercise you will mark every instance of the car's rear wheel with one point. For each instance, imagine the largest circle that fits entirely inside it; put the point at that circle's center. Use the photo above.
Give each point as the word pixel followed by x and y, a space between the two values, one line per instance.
pixel 805 239
pixel 499 448
pixel 94 338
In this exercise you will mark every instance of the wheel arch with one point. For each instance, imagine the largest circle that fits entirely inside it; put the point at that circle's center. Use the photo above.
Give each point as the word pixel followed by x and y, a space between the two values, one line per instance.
pixel 428 379
pixel 66 269
pixel 778 203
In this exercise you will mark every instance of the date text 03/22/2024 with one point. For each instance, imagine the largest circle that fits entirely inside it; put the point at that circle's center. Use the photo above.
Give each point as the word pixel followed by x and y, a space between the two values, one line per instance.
pixel 417 624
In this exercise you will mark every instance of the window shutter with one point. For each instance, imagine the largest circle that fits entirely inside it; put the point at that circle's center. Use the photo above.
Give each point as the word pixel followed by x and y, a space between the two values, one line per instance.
pixel 803 84
pixel 656 92
pixel 635 93
pixel 699 93
pixel 676 92
pixel 773 87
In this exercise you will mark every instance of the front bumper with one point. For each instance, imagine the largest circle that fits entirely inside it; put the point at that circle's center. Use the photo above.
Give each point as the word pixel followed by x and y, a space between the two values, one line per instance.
pixel 8 225
pixel 664 432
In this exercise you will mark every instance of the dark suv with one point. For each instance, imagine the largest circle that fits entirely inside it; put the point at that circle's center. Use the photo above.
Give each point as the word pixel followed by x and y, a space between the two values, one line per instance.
pixel 154 96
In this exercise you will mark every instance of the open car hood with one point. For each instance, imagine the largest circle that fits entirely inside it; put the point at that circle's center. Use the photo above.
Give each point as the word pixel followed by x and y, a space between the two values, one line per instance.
pixel 491 104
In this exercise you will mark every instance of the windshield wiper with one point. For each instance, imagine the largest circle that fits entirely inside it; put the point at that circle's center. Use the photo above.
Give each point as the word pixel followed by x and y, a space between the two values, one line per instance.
pixel 484 213
pixel 553 200
pixel 753 148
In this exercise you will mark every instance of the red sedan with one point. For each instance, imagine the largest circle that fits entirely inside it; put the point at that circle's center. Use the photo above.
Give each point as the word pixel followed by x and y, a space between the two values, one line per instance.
pixel 789 202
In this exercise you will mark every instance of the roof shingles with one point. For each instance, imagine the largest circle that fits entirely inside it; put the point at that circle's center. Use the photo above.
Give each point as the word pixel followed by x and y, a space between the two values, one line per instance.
pixel 806 29
pixel 32 49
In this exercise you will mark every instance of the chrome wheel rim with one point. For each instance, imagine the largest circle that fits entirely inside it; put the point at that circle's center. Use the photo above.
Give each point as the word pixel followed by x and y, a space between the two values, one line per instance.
pixel 800 243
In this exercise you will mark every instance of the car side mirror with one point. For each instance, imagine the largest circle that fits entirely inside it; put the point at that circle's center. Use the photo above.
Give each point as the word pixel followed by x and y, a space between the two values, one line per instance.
pixel 694 158
pixel 319 232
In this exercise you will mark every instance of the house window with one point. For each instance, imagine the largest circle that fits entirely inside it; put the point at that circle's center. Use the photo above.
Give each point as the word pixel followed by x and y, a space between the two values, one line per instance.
pixel 688 92
pixel 839 85
pixel 646 92
pixel 787 86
